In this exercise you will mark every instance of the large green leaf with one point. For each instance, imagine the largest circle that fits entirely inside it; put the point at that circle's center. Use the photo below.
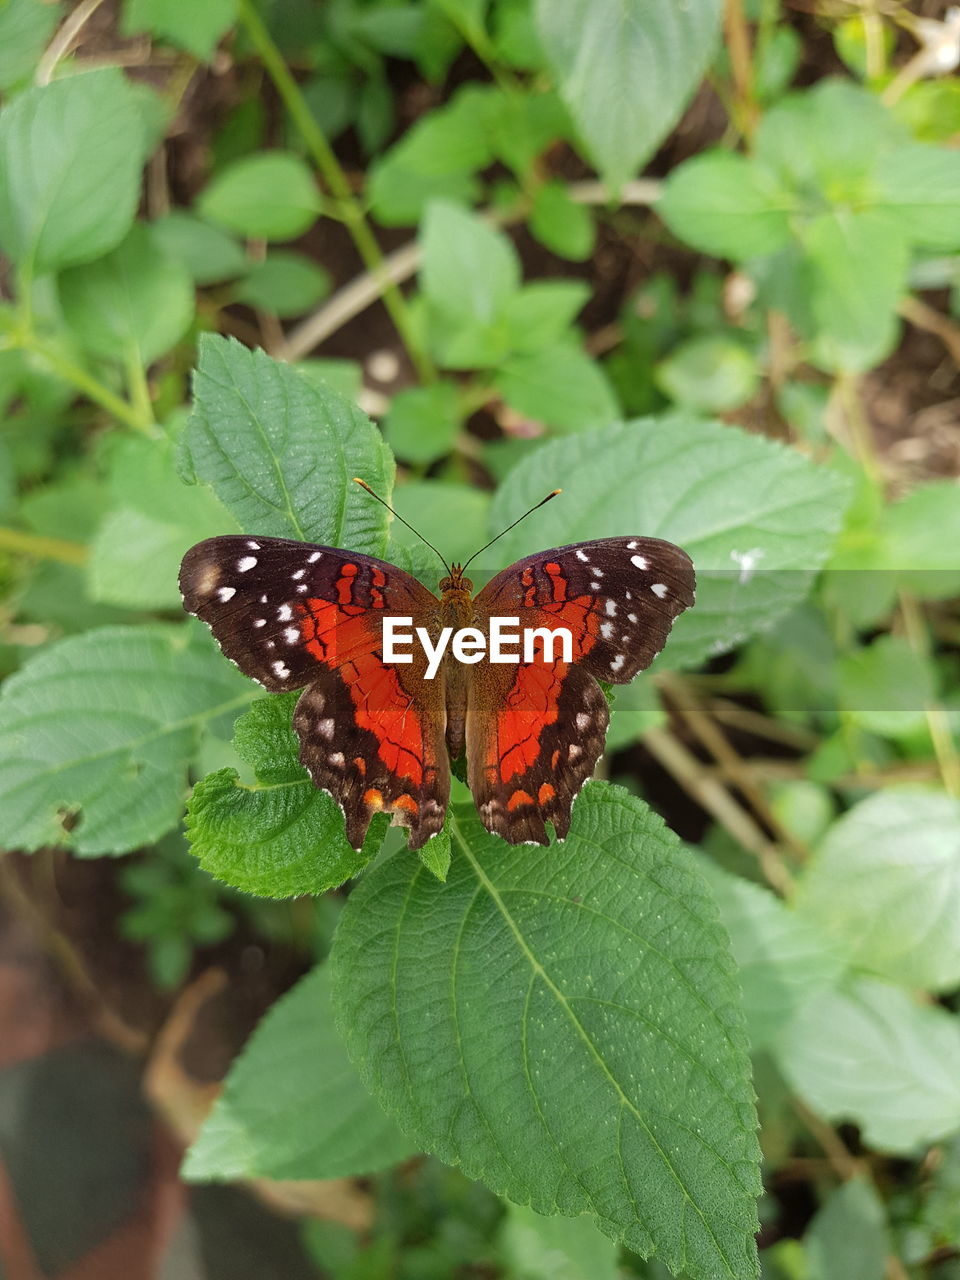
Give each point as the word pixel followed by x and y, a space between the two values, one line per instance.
pixel 280 450
pixel 600 1064
pixel 293 1105
pixel 848 1239
pixel 271 195
pixel 783 960
pixel 626 69
pixel 194 27
pixel 135 301
pixel 275 834
pixel 152 520
pixel 857 274
pixel 70 155
pixel 560 385
pixel 96 734
pixel 755 546
pixel 539 1248
pixel 886 885
pixel 872 1054
pixel 920 185
pixel 726 205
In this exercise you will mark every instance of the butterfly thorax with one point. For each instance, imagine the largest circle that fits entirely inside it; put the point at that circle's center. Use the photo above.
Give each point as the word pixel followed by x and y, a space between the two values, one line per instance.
pixel 456 599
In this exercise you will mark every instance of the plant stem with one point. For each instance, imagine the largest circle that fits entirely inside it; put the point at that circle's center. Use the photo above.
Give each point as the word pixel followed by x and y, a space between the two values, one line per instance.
pixel 138 386
pixel 938 722
pixel 85 382
pixel 32 544
pixel 336 180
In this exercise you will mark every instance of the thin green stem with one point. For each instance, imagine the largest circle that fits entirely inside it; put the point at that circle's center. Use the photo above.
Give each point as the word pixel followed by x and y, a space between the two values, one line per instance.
pixel 333 175
pixel 32 544
pixel 938 721
pixel 85 382
pixel 137 384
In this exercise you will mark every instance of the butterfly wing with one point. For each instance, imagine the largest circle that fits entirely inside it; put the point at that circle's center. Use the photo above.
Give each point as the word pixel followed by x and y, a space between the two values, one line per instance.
pixel 291 614
pixel 535 731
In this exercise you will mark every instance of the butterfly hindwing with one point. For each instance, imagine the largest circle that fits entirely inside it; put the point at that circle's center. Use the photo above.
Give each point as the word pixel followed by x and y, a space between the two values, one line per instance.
pixel 534 735
pixel 291 614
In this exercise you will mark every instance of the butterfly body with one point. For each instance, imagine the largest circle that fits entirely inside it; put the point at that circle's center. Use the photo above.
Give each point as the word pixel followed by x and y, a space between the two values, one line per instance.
pixel 377 734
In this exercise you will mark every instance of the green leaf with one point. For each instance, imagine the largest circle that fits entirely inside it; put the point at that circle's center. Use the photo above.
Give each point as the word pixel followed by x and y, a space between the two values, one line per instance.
pixel 755 549
pixel 600 1065
pixel 920 535
pixel 783 960
pixel 541 313
pixel 454 517
pixel 422 423
pixel 798 140
pixel 278 836
pixel 885 883
pixel 285 283
pixel 293 1106
pixel 96 733
pixel 848 1239
pixel 712 372
pixel 135 300
pixel 626 69
pixel 71 154
pixel 468 274
pixel 343 376
pixel 726 205
pixel 280 450
pixel 25 28
pixel 561 224
pixel 194 27
pixel 151 522
pixel 271 195
pixel 886 686
pixel 920 185
pixel 539 1248
pixel 558 385
pixel 872 1055
pixel 435 854
pixel 209 254
pixel 436 158
pixel 858 273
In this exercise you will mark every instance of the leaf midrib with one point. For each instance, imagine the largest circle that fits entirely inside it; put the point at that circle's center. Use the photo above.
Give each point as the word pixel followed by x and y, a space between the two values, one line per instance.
pixel 484 881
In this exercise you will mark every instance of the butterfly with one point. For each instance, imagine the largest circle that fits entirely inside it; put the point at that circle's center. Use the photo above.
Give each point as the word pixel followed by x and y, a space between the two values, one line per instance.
pixel 379 735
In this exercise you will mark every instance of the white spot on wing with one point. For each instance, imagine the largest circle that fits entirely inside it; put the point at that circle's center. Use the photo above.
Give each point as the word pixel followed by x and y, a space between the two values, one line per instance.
pixel 631 617
pixel 299 574
pixel 313 557
pixel 617 663
pixel 631 545
pixel 611 608
pixel 326 727
pixel 594 586
pixel 659 590
pixel 583 720
pixel 254 546
pixel 336 759
pixel 573 751
pixel 260 622
pixel 284 613
pixel 640 561
pixel 246 562
pixel 226 593
pixel 280 669
pixel 606 630
pixel 302 586
pixel 292 635
pixel 582 555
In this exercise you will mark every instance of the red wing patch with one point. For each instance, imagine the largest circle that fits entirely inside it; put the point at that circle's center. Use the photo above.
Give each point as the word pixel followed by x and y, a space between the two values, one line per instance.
pixel 531 745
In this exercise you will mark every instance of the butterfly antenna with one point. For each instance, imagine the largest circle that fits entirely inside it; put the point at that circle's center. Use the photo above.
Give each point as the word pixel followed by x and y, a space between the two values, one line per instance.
pixel 363 485
pixel 541 503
